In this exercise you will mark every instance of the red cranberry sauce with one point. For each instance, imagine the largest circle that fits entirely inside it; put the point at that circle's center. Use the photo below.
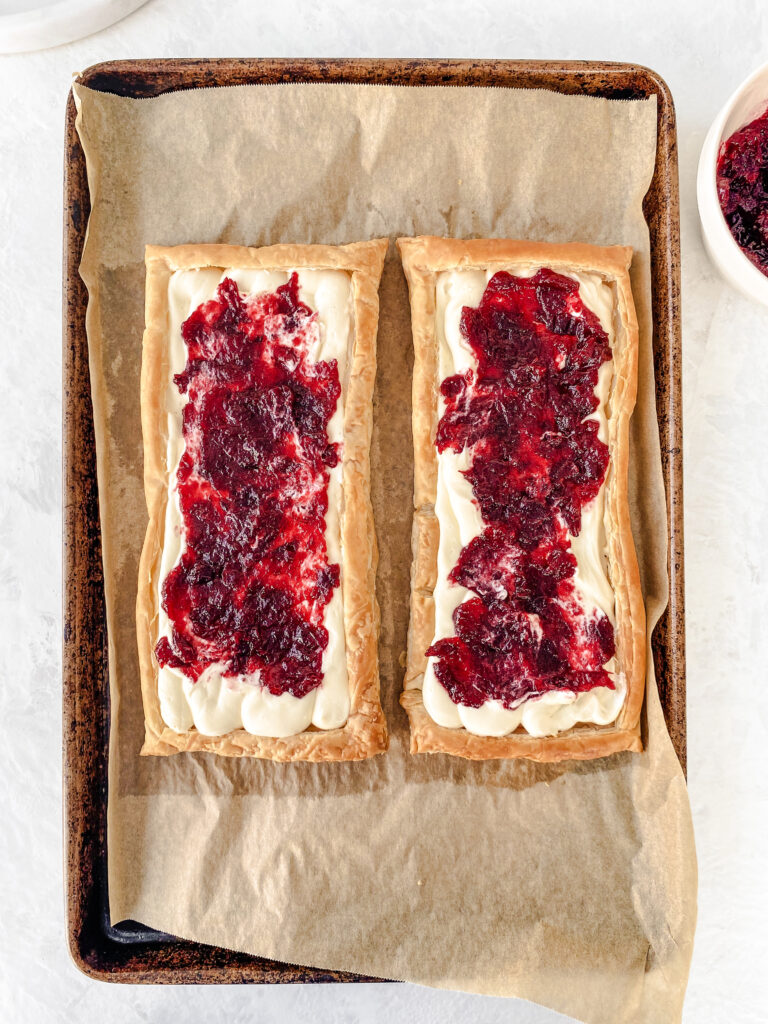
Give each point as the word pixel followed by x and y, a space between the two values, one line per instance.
pixel 250 589
pixel 535 463
pixel 742 187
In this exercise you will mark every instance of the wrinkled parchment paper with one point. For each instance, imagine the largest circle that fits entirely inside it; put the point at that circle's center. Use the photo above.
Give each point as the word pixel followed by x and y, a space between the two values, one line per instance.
pixel 572 885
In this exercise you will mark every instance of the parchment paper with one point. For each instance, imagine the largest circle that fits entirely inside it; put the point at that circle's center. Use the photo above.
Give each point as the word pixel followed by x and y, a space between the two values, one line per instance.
pixel 572 885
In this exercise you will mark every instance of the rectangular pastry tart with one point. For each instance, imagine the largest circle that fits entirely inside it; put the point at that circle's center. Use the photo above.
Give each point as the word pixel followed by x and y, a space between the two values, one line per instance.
pixel 256 613
pixel 527 629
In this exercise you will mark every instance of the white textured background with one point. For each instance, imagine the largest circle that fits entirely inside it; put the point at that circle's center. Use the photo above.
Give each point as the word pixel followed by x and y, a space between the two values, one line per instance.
pixel 703 50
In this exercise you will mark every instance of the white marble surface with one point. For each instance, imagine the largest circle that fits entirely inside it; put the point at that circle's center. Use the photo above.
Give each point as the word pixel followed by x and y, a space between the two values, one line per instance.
pixel 703 50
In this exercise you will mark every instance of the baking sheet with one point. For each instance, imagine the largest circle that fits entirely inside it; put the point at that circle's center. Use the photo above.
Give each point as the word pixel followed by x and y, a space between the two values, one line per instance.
pixel 123 212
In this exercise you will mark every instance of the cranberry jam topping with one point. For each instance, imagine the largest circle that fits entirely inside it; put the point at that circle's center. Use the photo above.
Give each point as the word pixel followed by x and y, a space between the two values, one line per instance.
pixel 249 591
pixel 535 462
pixel 742 187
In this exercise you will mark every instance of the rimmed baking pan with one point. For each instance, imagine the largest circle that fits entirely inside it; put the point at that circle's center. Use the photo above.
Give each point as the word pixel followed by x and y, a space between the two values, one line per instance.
pixel 131 952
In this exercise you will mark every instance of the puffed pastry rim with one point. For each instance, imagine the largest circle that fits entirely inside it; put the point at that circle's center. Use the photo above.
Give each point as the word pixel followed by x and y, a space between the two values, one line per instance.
pixel 365 732
pixel 423 258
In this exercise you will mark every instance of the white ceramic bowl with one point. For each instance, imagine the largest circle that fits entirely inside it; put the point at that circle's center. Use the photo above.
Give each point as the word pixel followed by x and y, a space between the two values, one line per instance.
pixel 748 102
pixel 27 25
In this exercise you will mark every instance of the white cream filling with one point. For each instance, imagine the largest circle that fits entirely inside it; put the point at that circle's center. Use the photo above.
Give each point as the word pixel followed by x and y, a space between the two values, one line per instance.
pixel 217 704
pixel 460 521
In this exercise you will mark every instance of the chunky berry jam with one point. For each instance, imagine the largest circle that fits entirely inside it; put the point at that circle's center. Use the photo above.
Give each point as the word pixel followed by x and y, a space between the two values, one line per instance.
pixel 742 187
pixel 536 462
pixel 249 591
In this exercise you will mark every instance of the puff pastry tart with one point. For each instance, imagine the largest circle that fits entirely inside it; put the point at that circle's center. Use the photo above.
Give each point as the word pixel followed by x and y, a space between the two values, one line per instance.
pixel 527 630
pixel 256 614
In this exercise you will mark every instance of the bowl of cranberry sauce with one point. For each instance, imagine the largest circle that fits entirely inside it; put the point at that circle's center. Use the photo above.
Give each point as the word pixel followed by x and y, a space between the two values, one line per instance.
pixel 732 188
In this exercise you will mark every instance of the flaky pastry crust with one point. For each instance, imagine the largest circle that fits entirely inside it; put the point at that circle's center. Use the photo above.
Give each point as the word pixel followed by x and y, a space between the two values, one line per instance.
pixel 423 258
pixel 365 732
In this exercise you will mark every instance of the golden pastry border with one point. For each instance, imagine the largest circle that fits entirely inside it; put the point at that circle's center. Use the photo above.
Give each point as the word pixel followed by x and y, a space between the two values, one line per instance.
pixel 423 258
pixel 365 732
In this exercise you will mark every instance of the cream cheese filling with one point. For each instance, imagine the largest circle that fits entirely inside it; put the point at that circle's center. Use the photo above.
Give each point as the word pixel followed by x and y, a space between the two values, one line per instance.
pixel 217 704
pixel 460 521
